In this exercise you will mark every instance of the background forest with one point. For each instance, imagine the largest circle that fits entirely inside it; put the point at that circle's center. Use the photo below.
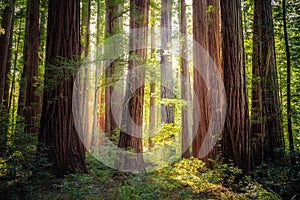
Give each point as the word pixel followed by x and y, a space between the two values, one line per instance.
pixel 144 99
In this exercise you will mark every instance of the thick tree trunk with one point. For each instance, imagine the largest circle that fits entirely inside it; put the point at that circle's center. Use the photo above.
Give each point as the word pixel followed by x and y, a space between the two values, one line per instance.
pixel 166 88
pixel 258 127
pixel 206 25
pixel 200 35
pixel 29 101
pixel 57 132
pixel 214 49
pixel 266 118
pixel 236 141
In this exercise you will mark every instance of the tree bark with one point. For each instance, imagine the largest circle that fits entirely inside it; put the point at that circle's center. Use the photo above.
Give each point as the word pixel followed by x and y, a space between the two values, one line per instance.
pixel 131 132
pixel 206 25
pixel 57 132
pixel 288 85
pixel 29 101
pixel 200 35
pixel 166 88
pixel 266 119
pixel 113 70
pixel 5 49
pixel 185 81
pixel 236 141
pixel 5 61
pixel 152 84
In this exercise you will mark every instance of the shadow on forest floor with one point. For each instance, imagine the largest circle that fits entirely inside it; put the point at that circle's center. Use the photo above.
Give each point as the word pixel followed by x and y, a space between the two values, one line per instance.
pixel 24 176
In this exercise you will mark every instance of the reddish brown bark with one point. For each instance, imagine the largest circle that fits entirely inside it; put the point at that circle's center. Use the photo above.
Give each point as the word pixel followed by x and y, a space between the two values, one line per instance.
pixel 152 84
pixel 5 49
pixel 166 89
pixel 206 30
pixel 113 71
pixel 57 131
pixel 28 99
pixel 266 119
pixel 201 99
pixel 131 133
pixel 185 81
pixel 236 144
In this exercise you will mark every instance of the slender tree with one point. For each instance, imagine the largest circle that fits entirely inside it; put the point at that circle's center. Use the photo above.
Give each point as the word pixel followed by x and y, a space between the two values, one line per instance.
pixel 28 106
pixel 166 89
pixel 57 132
pixel 288 86
pixel 236 139
pixel 5 48
pixel 85 49
pixel 152 84
pixel 114 26
pixel 85 28
pixel 185 81
pixel 5 61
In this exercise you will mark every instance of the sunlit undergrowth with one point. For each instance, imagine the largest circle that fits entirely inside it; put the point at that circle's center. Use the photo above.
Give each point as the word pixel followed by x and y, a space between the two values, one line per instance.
pixel 24 175
pixel 187 179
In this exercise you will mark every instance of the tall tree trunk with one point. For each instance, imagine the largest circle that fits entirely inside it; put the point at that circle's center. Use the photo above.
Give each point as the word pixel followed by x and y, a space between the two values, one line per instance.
pixel 288 85
pixel 30 104
pixel 152 84
pixel 85 48
pixel 113 71
pixel 267 123
pixel 185 81
pixel 206 25
pixel 5 49
pixel 101 100
pixel 85 28
pixel 236 141
pixel 131 133
pixel 200 35
pixel 5 62
pixel 166 88
pixel 57 131
pixel 258 128
pixel 214 49
pixel 16 48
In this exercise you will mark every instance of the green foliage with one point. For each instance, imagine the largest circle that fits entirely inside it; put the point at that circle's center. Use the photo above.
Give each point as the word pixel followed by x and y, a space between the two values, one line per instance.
pixel 284 180
pixel 293 17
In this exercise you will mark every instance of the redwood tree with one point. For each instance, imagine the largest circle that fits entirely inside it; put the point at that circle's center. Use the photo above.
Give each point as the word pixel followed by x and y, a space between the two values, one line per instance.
pixel 152 83
pixel 266 119
pixel 57 132
pixel 236 139
pixel 5 56
pixel 113 26
pixel 206 30
pixel 131 133
pixel 288 85
pixel 28 106
pixel 5 48
pixel 166 88
pixel 185 78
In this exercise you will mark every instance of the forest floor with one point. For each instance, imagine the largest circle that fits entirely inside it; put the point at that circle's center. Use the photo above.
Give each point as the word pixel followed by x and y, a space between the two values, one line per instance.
pixel 20 178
